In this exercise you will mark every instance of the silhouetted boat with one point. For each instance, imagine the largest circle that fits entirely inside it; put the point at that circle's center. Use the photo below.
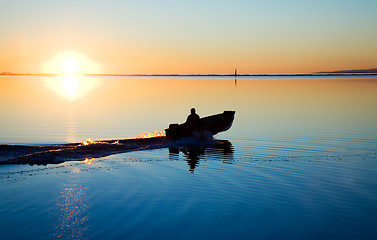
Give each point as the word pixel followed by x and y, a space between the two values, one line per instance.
pixel 213 124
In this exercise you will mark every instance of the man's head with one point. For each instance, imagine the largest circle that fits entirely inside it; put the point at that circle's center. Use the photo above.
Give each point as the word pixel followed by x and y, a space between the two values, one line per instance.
pixel 192 110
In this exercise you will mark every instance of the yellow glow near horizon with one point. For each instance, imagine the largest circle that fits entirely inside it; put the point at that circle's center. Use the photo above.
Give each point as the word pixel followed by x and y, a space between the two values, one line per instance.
pixel 70 85
pixel 71 63
pixel 70 66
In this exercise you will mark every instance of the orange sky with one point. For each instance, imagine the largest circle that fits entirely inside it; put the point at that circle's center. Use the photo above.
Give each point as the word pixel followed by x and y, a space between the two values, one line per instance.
pixel 186 37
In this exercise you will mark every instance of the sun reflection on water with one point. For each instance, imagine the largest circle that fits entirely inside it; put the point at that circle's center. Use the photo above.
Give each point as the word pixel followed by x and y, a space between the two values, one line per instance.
pixel 73 210
pixel 151 134
pixel 88 160
pixel 72 87
pixel 87 142
pixel 71 128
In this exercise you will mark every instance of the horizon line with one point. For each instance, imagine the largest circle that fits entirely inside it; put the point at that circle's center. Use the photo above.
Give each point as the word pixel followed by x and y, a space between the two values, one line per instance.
pixel 190 75
pixel 369 71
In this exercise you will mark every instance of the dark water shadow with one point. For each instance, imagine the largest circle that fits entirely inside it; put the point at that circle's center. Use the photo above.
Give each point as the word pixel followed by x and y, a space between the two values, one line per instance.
pixel 222 151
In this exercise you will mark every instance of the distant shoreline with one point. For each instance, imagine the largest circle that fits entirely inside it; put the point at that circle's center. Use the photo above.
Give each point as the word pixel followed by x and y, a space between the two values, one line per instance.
pixel 197 75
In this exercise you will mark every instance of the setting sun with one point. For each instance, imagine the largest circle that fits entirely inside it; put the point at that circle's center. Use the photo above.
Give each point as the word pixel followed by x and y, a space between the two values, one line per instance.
pixel 71 63
pixel 70 66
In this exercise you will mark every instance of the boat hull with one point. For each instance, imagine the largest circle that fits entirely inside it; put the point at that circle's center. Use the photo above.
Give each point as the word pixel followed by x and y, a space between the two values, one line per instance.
pixel 213 124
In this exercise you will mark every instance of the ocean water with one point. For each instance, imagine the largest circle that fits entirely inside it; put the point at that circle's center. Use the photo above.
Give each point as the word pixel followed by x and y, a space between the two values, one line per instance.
pixel 300 161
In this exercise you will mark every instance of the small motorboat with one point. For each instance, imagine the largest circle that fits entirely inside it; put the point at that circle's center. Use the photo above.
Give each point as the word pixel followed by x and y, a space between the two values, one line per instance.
pixel 213 124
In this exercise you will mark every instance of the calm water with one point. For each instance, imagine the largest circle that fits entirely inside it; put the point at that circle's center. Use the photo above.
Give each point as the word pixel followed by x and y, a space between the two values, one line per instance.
pixel 300 160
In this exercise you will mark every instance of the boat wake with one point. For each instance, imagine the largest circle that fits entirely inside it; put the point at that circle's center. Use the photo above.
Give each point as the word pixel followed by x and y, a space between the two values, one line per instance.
pixel 55 154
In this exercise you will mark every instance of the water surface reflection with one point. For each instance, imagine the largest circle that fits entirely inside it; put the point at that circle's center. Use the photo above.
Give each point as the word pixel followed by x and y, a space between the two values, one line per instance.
pixel 72 210
pixel 222 151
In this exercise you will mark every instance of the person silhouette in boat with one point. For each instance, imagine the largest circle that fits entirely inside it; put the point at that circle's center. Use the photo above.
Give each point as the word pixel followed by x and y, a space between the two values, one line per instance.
pixel 193 119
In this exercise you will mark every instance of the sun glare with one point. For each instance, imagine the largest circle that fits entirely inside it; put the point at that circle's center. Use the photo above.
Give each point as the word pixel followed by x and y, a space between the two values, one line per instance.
pixel 70 85
pixel 71 66
pixel 71 63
